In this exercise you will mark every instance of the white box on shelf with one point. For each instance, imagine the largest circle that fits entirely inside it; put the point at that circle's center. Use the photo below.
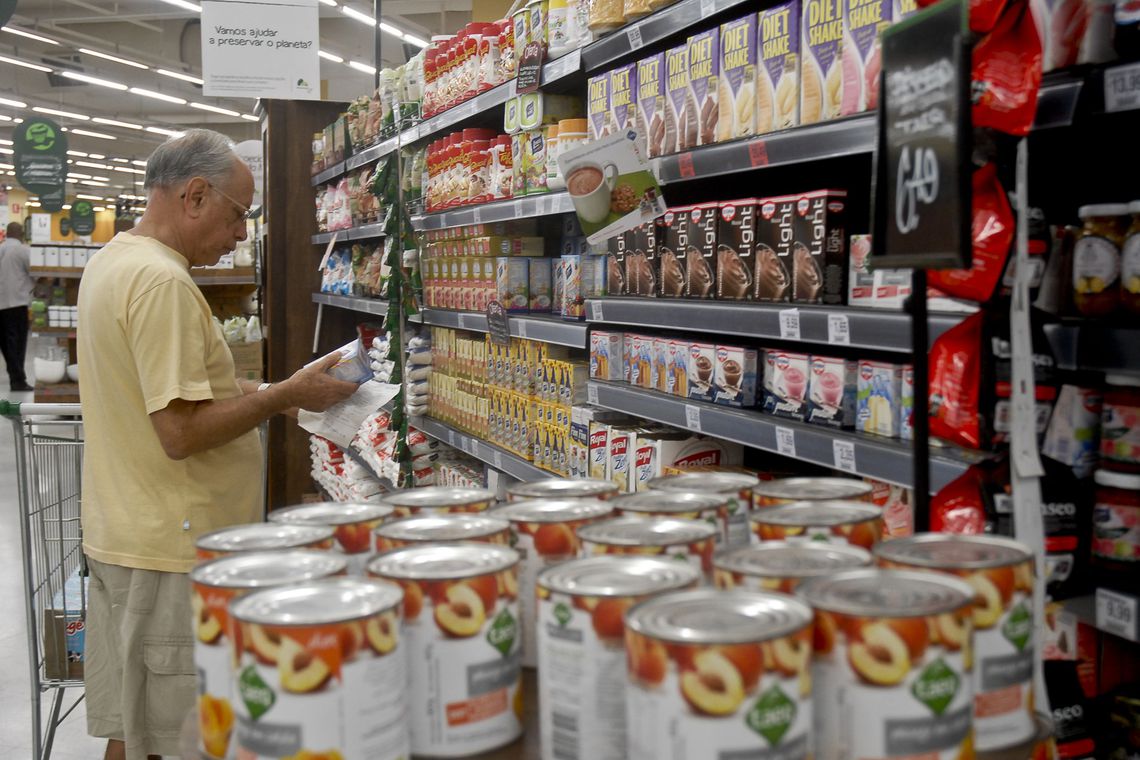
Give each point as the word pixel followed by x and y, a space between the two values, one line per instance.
pixel 51 257
pixel 66 258
pixel 36 258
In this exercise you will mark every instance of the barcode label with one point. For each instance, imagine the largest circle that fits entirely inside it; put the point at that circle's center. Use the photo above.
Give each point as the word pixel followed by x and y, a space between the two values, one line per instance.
pixel 592 394
pixel 477 215
pixel 838 330
pixel 522 327
pixel 786 441
pixel 844 453
pixel 595 311
pixel 790 324
pixel 564 736
pixel 497 460
pixel 693 417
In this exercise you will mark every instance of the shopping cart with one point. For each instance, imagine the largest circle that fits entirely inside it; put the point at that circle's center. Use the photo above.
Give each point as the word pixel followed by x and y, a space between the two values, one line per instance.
pixel 49 464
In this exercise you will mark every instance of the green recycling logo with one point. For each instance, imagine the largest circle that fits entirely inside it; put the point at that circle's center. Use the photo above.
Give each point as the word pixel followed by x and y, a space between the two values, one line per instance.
pixel 936 686
pixel 562 613
pixel 256 694
pixel 1018 627
pixel 503 632
pixel 40 136
pixel 772 715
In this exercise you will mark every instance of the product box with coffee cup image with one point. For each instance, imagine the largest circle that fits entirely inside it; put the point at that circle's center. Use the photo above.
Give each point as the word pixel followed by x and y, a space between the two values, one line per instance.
pixel 832 385
pixel 704 78
pixel 786 384
pixel 677 368
pixel 822 75
pixel 778 88
pixel 671 252
pixel 598 106
pixel 702 363
pixel 863 22
pixel 680 108
pixel 772 258
pixel 700 254
pixel 623 100
pixel 611 186
pixel 736 239
pixel 641 260
pixel 734 379
pixel 512 283
pixel 651 118
pixel 879 398
pixel 615 266
pixel 737 96
pixel 819 253
pixel 540 285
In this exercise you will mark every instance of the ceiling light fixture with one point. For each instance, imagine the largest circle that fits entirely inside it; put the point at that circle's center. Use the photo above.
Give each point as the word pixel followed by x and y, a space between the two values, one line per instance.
pixel 66 207
pixel 64 114
pixel 78 175
pixel 116 123
pixel 89 133
pixel 78 153
pixel 179 75
pixel 363 18
pixel 214 109
pixel 362 67
pixel 7 151
pixel 329 3
pixel 184 4
pixel 136 162
pixel 330 56
pixel 120 160
pixel 13 103
pixel 7 166
pixel 96 156
pixel 250 117
pixel 6 142
pixel 94 80
pixel 412 39
pixel 116 59
pixel 92 183
pixel 90 164
pixel 33 204
pixel 158 96
pixel 98 208
pixel 25 64
pixel 166 132
pixel 89 197
pixel 29 35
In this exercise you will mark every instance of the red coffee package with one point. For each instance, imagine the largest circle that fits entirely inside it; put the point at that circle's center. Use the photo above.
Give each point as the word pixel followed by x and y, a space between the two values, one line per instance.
pixel 983 13
pixel 992 230
pixel 955 382
pixel 1007 73
pixel 960 506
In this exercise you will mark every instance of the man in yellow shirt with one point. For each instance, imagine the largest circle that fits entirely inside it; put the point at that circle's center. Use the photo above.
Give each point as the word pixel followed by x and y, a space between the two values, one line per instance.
pixel 172 449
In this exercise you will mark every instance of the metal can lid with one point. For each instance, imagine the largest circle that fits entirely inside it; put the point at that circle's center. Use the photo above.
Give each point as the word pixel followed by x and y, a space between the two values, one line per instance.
pixel 1102 209
pixel 955 552
pixel 438 496
pixel 709 616
pixel 646 531
pixel 319 602
pixel 263 537
pixel 716 482
pixel 670 501
pixel 618 575
pixel 266 569
pixel 443 561
pixel 1117 480
pixel 813 489
pixel 331 513
pixel 780 559
pixel 563 488
pixel 553 510
pixel 822 513
pixel 886 593
pixel 455 526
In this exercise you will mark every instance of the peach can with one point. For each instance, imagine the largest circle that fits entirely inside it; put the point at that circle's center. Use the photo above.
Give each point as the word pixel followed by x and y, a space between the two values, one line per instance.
pixel 215 584
pixel 438 499
pixel 314 655
pixel 686 505
pixel 352 524
pixel 563 488
pixel 443 528
pixel 1001 572
pixel 461 626
pixel 262 537
pixel 543 532
pixel 787 490
pixel 885 686
pixel 691 541
pixel 782 566
pixel 836 522
pixel 581 649
pixel 719 674
pixel 737 486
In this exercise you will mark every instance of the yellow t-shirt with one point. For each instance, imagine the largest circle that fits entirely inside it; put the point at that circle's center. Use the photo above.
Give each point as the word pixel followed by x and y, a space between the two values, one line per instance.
pixel 145 338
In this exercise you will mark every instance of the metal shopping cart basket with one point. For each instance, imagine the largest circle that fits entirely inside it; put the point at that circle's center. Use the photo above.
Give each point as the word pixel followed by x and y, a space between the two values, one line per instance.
pixel 49 465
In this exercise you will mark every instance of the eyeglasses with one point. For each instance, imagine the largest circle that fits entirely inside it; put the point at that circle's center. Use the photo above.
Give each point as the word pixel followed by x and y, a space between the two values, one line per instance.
pixel 245 211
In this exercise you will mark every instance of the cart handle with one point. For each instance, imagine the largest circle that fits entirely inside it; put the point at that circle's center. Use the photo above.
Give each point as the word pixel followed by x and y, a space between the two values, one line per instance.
pixel 29 409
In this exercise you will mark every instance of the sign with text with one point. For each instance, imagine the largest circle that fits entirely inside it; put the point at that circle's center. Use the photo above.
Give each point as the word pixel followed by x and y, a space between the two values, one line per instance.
pixel 530 68
pixel 921 204
pixel 250 151
pixel 498 326
pixel 82 218
pixel 264 49
pixel 40 153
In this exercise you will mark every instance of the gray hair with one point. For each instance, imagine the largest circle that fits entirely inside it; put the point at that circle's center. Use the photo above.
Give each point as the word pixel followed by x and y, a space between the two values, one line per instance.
pixel 194 153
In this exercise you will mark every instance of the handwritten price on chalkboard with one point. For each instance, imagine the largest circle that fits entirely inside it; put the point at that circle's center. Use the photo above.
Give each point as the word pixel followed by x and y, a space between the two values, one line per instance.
pixel 917 184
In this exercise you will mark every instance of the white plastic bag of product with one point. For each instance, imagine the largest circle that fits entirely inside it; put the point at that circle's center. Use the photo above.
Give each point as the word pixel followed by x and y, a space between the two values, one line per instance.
pixel 419 357
pixel 419 372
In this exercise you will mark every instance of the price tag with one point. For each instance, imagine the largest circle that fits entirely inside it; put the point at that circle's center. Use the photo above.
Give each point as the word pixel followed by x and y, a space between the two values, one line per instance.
pixel 328 252
pixel 596 311
pixel 1116 613
pixel 477 215
pixel 685 165
pixel 497 459
pixel 786 441
pixel 790 324
pixel 693 417
pixel 451 438
pixel 758 153
pixel 1122 88
pixel 838 330
pixel 634 35
pixel 522 327
pixel 708 8
pixel 592 394
pixel 844 454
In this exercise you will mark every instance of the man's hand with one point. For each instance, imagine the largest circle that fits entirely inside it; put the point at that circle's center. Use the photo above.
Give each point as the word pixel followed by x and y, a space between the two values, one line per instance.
pixel 312 389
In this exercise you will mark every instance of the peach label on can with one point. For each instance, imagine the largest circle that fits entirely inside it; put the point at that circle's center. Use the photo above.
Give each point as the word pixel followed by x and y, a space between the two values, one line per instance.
pixel 1000 571
pixel 719 674
pixel 838 522
pixel 310 654
pixel 893 665
pixel 691 541
pixel 260 537
pixel 544 533
pixel 446 527
pixel 352 524
pixel 461 628
pixel 581 653
pixel 782 566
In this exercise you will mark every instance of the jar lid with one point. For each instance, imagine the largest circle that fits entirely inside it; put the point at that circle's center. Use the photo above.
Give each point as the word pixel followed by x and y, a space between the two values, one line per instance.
pixel 1117 480
pixel 1103 209
pixel 581 125
pixel 1116 379
pixel 551 131
pixel 1134 207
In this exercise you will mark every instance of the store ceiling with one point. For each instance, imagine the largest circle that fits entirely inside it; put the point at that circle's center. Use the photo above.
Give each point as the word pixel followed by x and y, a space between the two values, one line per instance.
pixel 165 35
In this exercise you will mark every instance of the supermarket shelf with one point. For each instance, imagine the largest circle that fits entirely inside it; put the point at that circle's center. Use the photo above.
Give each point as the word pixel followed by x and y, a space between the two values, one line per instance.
pixel 500 459
pixel 877 329
pixel 499 211
pixel 1107 610
pixel 878 458
pixel 238 276
pixel 362 232
pixel 1089 345
pixel 66 273
pixel 368 155
pixel 543 329
pixel 653 28
pixel 60 332
pixel 357 457
pixel 330 173
pixel 353 303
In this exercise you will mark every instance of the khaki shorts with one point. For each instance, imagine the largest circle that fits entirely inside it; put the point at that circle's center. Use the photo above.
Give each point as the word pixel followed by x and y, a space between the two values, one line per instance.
pixel 139 660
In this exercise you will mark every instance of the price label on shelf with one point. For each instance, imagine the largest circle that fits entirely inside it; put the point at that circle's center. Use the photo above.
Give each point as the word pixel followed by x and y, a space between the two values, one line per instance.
pixel 844 454
pixel 451 438
pixel 790 324
pixel 596 311
pixel 1116 613
pixel 1122 88
pixel 758 153
pixel 477 215
pixel 497 459
pixel 838 330
pixel 785 441
pixel 685 165
pixel 328 252
pixel 708 8
pixel 634 35
pixel 693 417
pixel 522 327
pixel 592 394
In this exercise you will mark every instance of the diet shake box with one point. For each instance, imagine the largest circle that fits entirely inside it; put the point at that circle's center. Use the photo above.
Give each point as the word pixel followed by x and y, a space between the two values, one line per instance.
pixel 863 21
pixel 704 82
pixel 737 79
pixel 623 97
pixel 821 44
pixel 778 85
pixel 680 115
pixel 598 105
pixel 651 111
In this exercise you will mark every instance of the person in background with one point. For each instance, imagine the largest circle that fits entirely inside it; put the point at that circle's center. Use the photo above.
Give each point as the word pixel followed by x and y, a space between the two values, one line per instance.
pixel 15 294
pixel 172 449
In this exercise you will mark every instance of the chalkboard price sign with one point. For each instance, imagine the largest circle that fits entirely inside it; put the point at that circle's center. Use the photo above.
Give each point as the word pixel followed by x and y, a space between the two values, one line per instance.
pixel 921 213
pixel 497 325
